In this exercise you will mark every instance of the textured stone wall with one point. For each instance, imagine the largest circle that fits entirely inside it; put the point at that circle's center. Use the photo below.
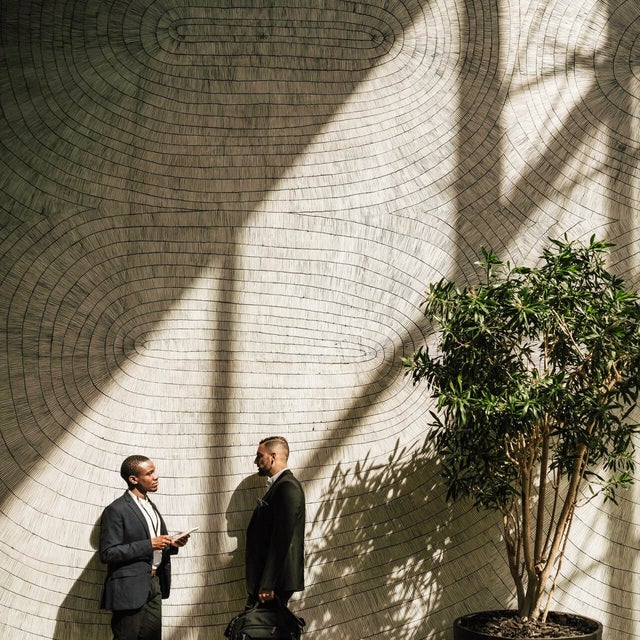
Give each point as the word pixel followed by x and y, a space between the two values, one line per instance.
pixel 218 220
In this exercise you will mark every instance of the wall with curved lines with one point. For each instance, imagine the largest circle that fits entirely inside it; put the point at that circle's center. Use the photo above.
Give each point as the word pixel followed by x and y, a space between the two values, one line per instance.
pixel 217 223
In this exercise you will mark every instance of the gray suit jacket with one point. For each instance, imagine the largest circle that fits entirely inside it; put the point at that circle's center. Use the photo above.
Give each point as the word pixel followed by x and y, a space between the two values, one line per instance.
pixel 125 547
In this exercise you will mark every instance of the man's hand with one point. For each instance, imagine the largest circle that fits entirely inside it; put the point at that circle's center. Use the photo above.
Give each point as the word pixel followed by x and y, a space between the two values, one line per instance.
pixel 160 542
pixel 266 595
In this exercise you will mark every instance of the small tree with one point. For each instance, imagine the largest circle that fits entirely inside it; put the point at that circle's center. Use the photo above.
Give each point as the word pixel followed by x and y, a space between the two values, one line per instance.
pixel 535 376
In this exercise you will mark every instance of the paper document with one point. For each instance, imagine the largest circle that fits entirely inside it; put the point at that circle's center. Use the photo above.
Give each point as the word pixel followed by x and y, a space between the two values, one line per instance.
pixel 183 534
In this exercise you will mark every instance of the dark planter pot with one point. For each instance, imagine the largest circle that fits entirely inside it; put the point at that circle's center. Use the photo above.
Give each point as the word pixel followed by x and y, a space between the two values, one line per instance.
pixel 464 628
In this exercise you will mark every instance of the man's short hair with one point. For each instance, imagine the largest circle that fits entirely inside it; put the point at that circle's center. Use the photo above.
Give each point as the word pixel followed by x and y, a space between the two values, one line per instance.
pixel 274 442
pixel 130 466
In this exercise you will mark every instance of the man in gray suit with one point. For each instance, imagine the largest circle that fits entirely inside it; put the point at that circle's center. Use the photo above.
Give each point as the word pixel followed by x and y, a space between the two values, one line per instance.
pixel 274 560
pixel 137 549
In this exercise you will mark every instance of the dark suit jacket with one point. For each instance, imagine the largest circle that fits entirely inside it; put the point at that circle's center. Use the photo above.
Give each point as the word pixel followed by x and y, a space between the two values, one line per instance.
pixel 125 546
pixel 275 538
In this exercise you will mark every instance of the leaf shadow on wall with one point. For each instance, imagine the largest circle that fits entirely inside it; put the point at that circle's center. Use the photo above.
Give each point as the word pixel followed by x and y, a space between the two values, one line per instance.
pixel 386 523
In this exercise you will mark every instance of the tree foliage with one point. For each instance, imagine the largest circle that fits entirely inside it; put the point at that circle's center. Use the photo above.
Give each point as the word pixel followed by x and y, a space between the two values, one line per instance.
pixel 535 373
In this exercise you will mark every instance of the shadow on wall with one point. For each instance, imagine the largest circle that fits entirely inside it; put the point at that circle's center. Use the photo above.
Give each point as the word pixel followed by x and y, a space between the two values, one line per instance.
pixel 238 514
pixel 603 560
pixel 386 524
pixel 79 615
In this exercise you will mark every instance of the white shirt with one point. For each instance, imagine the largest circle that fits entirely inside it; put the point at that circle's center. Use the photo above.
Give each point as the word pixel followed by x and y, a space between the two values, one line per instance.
pixel 153 523
pixel 273 478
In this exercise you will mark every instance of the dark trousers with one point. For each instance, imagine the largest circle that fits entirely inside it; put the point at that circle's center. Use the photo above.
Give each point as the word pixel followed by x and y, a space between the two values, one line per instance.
pixel 140 624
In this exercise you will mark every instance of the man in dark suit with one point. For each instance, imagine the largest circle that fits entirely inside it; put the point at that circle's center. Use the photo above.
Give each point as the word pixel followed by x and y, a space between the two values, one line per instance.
pixel 274 560
pixel 136 547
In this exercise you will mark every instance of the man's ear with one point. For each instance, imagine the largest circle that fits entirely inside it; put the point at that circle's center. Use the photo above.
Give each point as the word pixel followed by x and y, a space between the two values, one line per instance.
pixel 133 480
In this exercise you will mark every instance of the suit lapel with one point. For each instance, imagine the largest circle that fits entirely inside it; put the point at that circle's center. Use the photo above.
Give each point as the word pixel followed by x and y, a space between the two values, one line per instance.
pixel 160 520
pixel 136 510
pixel 284 474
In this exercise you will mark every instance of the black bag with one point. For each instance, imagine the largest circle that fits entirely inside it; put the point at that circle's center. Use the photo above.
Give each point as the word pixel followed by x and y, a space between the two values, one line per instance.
pixel 269 620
